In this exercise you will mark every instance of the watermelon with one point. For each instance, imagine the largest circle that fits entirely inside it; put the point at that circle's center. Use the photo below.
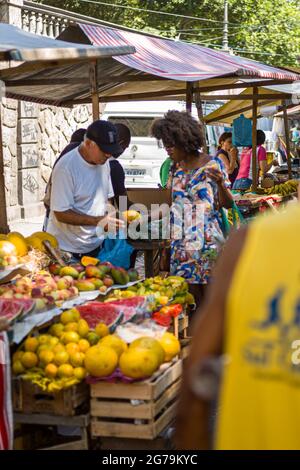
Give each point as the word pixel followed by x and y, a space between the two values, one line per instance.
pixel 10 309
pixel 98 312
pixel 130 308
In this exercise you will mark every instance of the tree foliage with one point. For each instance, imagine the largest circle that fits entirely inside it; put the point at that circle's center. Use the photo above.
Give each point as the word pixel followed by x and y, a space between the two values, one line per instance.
pixel 264 30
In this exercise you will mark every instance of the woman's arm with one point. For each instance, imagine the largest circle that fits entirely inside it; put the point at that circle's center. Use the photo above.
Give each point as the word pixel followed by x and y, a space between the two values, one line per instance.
pixel 225 196
pixel 233 156
pixel 225 161
pixel 265 167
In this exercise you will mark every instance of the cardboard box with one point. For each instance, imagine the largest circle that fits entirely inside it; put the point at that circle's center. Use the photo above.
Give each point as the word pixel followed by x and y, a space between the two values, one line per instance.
pixel 148 196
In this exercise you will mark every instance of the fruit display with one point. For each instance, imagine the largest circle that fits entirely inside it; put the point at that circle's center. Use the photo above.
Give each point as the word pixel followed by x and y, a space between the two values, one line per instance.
pixel 36 241
pixel 43 288
pixel 170 290
pixel 114 313
pixel 98 312
pixel 164 316
pixel 8 254
pixel 16 249
pixel 91 274
pixel 283 189
pixel 70 350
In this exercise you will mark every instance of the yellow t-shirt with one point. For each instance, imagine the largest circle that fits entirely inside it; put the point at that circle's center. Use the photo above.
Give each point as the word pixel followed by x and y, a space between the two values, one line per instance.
pixel 260 395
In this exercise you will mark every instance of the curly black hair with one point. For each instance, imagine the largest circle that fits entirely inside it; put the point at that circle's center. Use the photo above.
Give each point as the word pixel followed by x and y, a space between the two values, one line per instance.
pixel 179 129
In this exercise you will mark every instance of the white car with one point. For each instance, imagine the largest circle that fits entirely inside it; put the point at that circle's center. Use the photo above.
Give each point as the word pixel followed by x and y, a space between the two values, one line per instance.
pixel 143 158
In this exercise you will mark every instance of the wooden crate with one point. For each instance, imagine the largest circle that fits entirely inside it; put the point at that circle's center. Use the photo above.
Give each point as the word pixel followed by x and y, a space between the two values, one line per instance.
pixel 38 425
pixel 179 326
pixel 113 413
pixel 29 398
pixel 185 348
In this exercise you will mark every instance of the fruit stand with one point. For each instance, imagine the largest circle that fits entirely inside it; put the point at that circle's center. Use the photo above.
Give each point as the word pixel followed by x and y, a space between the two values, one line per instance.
pixel 93 346
pixel 251 203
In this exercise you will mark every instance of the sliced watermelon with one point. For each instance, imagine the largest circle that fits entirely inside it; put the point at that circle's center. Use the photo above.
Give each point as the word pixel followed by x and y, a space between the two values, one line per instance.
pixel 131 308
pixel 10 309
pixel 98 312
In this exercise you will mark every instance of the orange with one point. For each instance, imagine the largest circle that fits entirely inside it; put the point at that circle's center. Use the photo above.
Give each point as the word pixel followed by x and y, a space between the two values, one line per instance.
pixel 114 342
pixel 84 345
pixel 79 373
pixel 61 357
pixel 73 326
pixel 152 344
pixel 102 330
pixel 29 360
pixel 31 344
pixel 76 359
pixel 100 361
pixel 18 367
pixel 17 356
pixel 170 345
pixel 72 348
pixel 51 370
pixel 46 356
pixel 65 370
pixel 57 329
pixel 138 363
pixel 70 337
pixel 83 328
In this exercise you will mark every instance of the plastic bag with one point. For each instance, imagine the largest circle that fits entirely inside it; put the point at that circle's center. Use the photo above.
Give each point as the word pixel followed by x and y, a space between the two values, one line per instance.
pixel 116 251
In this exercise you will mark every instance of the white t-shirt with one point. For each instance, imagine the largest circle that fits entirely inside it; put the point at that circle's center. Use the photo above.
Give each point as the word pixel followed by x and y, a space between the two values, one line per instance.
pixel 84 188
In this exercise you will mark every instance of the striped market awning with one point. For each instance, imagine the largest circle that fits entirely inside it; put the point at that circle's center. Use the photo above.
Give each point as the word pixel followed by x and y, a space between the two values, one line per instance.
pixel 177 60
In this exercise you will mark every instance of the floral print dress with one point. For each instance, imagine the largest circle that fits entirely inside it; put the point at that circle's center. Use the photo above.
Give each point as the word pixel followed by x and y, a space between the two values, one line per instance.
pixel 196 234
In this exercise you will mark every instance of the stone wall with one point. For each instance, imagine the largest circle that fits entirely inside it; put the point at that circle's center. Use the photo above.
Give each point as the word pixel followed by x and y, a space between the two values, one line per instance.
pixel 33 137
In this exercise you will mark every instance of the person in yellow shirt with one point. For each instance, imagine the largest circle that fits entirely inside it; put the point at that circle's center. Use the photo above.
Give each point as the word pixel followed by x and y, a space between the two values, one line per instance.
pixel 251 319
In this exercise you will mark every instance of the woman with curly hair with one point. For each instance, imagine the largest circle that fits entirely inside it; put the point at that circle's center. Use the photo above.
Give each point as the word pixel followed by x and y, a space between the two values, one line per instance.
pixel 199 187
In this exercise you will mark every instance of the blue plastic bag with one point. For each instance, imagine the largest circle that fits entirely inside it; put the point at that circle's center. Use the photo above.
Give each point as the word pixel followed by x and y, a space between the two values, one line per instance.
pixel 116 251
pixel 242 132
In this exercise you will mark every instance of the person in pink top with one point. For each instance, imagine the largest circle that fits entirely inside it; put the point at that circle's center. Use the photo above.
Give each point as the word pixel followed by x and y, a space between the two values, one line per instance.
pixel 244 177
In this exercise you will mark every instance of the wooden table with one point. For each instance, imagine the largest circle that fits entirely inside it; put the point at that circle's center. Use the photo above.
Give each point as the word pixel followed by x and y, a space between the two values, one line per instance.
pixel 151 250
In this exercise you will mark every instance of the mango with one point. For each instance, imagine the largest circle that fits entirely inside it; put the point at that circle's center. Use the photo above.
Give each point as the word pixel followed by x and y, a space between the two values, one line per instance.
pixel 133 275
pixel 92 271
pixel 120 276
pixel 84 285
pixel 69 271
pixel 97 282
pixel 105 268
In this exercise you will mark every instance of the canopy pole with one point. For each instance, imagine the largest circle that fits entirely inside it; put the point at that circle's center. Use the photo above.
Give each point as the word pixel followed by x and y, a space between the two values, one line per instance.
pixel 254 139
pixel 94 90
pixel 198 102
pixel 189 97
pixel 3 214
pixel 287 138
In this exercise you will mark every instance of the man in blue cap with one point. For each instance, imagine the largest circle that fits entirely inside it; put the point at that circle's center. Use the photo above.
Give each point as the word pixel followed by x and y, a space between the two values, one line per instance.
pixel 81 189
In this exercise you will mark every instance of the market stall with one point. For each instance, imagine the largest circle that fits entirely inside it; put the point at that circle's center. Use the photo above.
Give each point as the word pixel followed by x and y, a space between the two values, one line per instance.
pixel 90 335
pixel 106 342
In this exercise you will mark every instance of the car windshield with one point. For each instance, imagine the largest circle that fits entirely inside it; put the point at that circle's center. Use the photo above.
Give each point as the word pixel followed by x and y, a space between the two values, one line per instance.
pixel 139 126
